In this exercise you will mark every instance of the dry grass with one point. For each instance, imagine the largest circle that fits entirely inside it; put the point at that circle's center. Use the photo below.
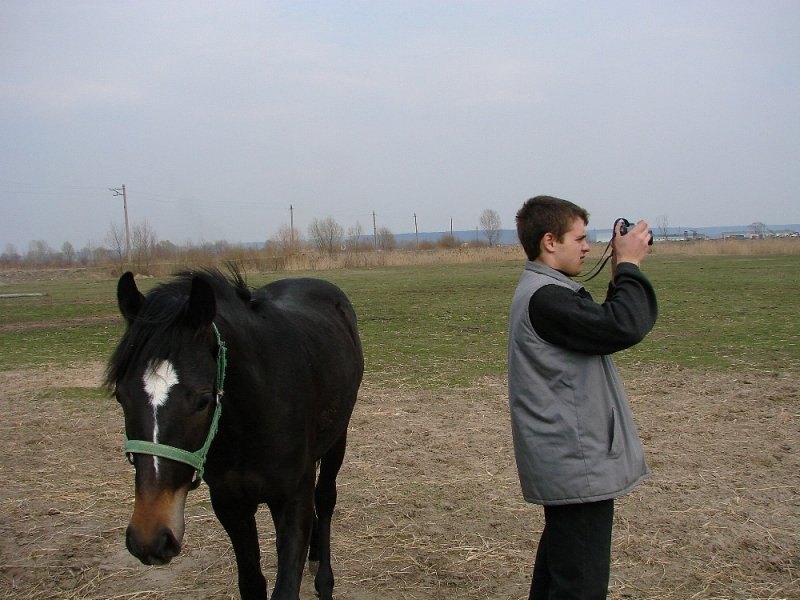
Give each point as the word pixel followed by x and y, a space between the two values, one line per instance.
pixel 429 504
pixel 263 261
pixel 765 247
pixel 259 261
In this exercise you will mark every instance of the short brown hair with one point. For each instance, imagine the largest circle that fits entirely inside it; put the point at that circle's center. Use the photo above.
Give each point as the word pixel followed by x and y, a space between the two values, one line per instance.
pixel 545 214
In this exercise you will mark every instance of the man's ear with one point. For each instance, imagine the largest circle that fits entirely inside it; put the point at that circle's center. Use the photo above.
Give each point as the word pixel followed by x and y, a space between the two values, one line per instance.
pixel 548 242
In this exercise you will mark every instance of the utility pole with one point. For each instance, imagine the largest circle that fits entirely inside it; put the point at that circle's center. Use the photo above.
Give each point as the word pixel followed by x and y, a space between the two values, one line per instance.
pixel 121 192
pixel 291 226
pixel 374 229
pixel 416 231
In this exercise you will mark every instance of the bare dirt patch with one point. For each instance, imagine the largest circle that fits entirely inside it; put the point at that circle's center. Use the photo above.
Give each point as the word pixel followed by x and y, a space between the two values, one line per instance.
pixel 429 504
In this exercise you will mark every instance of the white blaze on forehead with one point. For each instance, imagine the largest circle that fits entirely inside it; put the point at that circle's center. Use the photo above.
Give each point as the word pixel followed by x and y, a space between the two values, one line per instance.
pixel 158 378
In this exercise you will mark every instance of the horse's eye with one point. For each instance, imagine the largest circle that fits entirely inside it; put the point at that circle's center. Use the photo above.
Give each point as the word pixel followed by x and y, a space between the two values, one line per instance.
pixel 202 402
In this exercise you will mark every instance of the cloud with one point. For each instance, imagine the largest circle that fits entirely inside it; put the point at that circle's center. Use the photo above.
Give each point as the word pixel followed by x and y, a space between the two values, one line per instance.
pixel 399 107
pixel 68 95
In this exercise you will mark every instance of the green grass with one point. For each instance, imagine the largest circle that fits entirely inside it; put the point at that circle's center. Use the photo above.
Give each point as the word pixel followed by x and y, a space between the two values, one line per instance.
pixel 724 312
pixel 62 345
pixel 62 300
pixel 445 325
pixel 433 326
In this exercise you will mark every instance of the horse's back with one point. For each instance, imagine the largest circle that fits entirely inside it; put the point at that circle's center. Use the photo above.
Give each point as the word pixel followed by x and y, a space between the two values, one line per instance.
pixel 302 292
pixel 307 297
pixel 316 308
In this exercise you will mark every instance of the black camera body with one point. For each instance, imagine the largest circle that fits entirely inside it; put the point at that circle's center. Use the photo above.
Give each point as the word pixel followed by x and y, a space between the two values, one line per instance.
pixel 626 225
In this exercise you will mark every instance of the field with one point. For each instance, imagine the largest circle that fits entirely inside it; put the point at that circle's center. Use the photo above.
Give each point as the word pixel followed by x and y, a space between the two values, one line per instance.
pixel 429 504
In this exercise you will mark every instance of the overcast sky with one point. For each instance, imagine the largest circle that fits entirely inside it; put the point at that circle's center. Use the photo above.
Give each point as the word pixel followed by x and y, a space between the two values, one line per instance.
pixel 217 116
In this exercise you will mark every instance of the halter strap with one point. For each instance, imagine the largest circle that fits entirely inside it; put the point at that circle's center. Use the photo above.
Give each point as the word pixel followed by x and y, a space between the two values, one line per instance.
pixel 196 459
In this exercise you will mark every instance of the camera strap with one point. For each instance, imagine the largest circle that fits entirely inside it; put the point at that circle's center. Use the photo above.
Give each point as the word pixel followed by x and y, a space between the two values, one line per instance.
pixel 595 270
pixel 601 262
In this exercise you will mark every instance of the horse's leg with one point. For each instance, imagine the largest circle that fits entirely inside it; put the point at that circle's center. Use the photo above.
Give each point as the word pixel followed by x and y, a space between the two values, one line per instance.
pixel 325 501
pixel 293 518
pixel 239 520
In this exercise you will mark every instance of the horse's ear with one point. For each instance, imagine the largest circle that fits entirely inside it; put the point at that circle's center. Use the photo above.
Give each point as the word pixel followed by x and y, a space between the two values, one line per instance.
pixel 202 305
pixel 129 298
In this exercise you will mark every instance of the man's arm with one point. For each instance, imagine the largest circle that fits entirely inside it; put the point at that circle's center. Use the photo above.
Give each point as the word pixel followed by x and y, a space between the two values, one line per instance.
pixel 575 321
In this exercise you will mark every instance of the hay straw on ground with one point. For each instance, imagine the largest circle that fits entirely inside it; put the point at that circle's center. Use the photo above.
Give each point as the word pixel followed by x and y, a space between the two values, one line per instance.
pixel 429 502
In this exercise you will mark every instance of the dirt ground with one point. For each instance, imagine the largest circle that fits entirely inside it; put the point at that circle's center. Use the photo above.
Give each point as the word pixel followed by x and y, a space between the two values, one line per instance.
pixel 429 504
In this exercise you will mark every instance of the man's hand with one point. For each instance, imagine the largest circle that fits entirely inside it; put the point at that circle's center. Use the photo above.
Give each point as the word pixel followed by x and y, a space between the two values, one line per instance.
pixel 632 247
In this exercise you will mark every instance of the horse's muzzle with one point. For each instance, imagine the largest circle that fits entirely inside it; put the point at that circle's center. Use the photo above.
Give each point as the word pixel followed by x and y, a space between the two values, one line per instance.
pixel 157 551
pixel 155 532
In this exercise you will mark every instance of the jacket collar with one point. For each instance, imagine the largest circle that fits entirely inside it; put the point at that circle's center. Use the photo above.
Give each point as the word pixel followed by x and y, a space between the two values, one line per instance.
pixel 552 273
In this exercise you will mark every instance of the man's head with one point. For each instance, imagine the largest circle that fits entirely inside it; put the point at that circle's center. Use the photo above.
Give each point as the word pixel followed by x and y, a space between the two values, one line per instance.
pixel 553 231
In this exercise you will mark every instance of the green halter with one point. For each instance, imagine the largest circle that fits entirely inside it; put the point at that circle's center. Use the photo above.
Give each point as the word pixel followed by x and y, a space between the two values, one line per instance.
pixel 197 458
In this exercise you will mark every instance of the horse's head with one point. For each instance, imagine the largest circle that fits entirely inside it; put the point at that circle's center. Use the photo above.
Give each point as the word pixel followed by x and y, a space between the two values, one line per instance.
pixel 164 375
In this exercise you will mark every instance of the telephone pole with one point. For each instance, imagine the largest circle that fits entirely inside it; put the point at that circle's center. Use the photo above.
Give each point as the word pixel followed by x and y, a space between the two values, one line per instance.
pixel 121 192
pixel 291 226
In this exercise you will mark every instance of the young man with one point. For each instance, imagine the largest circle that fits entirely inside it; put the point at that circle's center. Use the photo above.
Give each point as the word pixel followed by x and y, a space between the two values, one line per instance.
pixel 575 442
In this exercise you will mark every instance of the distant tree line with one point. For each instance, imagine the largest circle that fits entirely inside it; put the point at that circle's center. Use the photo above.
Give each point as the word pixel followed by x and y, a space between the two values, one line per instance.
pixel 324 236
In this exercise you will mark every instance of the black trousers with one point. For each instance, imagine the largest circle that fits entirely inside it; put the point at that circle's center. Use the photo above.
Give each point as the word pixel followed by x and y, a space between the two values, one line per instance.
pixel 573 559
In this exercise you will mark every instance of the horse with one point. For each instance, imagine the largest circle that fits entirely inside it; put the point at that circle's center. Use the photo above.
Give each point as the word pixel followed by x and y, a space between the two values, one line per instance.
pixel 286 362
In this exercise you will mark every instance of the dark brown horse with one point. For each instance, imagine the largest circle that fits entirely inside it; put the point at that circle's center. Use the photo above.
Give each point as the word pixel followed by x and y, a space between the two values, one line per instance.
pixel 294 366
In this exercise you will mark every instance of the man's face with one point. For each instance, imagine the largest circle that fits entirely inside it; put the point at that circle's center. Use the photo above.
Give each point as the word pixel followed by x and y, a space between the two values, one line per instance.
pixel 570 253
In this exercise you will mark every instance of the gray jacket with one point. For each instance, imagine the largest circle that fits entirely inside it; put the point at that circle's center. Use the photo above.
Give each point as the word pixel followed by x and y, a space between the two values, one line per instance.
pixel 574 436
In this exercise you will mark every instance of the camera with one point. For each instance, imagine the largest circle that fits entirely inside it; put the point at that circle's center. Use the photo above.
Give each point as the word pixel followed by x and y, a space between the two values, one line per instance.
pixel 626 225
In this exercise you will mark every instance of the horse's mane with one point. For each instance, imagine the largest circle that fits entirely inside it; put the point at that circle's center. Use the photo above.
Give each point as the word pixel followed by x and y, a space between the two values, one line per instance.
pixel 154 330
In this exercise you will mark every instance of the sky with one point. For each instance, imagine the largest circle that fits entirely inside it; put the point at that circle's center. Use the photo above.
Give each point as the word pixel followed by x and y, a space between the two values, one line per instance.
pixel 220 116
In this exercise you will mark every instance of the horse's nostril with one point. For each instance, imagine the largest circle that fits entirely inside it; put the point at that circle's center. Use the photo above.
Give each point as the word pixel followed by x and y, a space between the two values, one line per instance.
pixel 163 548
pixel 170 547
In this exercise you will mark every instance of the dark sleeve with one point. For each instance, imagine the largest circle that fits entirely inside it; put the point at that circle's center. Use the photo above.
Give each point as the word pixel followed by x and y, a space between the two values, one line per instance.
pixel 575 321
